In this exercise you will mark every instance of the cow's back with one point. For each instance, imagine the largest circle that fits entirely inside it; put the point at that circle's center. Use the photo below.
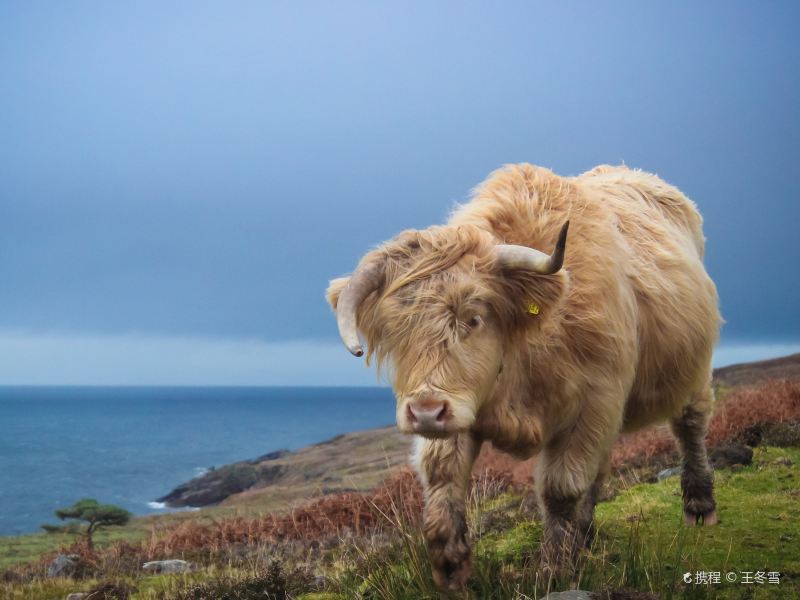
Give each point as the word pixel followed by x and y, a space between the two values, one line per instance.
pixel 678 316
pixel 633 189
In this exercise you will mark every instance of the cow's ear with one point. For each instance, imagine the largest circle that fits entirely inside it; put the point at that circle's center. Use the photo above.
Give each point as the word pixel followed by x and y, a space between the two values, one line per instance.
pixel 531 297
pixel 335 288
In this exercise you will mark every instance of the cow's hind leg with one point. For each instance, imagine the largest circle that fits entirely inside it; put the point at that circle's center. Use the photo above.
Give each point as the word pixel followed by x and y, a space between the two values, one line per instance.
pixel 697 477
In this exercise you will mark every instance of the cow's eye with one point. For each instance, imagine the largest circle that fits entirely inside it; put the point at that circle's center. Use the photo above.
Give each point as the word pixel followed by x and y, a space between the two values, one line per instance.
pixel 474 322
pixel 466 327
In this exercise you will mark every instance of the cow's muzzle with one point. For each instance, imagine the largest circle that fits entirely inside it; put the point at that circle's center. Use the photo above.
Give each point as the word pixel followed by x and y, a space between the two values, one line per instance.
pixel 428 416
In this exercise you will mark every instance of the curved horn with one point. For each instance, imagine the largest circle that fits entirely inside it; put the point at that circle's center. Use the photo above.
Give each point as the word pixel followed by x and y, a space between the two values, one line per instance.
pixel 521 257
pixel 363 282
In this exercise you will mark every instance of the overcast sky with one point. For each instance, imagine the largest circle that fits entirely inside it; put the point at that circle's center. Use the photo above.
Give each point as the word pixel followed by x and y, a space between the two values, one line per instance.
pixel 178 183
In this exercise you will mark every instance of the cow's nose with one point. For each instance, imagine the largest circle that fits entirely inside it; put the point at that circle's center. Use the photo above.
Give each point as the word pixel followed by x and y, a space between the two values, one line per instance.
pixel 427 414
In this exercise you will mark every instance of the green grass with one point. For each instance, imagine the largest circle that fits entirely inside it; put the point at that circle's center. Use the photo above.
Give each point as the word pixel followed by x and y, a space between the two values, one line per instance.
pixel 642 544
pixel 758 508
pixel 153 587
pixel 28 548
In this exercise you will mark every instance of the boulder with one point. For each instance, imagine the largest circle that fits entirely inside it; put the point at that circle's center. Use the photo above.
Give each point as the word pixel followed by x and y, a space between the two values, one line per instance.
pixel 168 566
pixel 77 596
pixel 668 473
pixel 570 595
pixel 729 454
pixel 64 565
pixel 623 594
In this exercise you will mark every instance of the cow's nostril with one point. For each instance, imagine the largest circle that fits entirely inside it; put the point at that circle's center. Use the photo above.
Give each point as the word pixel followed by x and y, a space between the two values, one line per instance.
pixel 442 413
pixel 410 414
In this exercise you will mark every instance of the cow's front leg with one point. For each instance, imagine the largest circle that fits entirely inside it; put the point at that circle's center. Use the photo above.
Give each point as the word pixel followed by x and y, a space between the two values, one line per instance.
pixel 562 536
pixel 444 466
pixel 569 477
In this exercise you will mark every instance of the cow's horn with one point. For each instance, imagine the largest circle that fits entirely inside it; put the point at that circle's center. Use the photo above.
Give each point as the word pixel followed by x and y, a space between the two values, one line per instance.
pixel 511 256
pixel 363 282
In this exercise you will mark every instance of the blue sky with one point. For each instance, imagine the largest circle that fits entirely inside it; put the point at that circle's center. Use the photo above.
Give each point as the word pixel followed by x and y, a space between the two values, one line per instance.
pixel 178 181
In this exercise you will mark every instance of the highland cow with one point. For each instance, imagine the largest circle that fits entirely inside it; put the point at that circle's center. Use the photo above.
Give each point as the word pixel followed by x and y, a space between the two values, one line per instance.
pixel 488 338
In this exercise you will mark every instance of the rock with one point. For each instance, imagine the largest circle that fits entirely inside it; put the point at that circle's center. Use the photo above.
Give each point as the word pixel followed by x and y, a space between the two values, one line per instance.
pixel 168 566
pixel 751 436
pixel 668 473
pixel 64 565
pixel 77 595
pixel 570 595
pixel 729 454
pixel 623 594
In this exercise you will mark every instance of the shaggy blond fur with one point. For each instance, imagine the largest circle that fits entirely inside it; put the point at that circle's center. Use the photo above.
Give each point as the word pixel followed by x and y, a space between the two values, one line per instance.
pixel 622 339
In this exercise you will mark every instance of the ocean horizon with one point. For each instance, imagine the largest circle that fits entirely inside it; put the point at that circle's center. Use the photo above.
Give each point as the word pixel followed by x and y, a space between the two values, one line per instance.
pixel 129 445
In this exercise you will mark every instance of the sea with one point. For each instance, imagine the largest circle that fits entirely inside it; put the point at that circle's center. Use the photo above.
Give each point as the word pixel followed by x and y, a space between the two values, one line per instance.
pixel 130 445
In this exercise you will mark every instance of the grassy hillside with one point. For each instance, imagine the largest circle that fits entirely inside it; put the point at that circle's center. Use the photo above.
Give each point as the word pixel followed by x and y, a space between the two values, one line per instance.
pixel 641 544
pixel 335 541
pixel 785 367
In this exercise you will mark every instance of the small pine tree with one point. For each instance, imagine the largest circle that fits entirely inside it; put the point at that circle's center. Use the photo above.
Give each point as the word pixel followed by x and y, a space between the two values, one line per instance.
pixel 93 514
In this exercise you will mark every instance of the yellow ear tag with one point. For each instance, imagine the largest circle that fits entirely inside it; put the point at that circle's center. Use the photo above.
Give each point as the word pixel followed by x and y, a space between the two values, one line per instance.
pixel 533 309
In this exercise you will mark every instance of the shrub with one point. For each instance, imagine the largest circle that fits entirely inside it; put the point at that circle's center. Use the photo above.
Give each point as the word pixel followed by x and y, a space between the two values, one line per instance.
pixel 273 584
pixel 110 591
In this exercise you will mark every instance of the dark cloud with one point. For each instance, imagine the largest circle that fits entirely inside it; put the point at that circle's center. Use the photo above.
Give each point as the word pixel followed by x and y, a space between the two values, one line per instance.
pixel 200 169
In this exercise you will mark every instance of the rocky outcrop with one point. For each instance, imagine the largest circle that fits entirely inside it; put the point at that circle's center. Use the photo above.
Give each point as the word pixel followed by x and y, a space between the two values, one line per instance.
pixel 217 484
pixel 352 461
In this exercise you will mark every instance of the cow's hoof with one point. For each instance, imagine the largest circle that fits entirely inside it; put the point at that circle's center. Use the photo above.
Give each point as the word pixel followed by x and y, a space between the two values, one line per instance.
pixel 453 577
pixel 450 562
pixel 692 519
pixel 449 551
